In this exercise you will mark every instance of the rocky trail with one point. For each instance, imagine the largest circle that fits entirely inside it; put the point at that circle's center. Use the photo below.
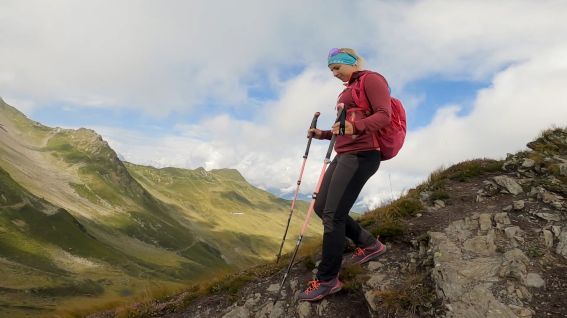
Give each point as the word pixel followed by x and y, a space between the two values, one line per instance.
pixel 495 246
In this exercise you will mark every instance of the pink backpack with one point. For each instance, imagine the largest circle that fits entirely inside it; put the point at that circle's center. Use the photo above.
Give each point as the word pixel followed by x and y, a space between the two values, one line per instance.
pixel 390 138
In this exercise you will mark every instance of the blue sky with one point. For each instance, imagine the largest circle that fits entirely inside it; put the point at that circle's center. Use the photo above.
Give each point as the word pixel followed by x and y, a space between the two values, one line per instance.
pixel 433 93
pixel 234 85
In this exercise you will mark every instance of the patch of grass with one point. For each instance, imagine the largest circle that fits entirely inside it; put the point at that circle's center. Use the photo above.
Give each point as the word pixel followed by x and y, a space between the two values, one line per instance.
pixel 10 191
pixel 407 207
pixel 462 172
pixel 439 195
pixel 551 141
pixel 534 252
pixel 412 293
pixel 86 287
pixel 469 169
pixel 352 278
pixel 231 284
pixel 309 263
pixel 84 192
pixel 387 221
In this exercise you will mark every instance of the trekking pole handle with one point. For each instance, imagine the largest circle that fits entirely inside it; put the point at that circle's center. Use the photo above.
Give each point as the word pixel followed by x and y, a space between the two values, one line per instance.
pixel 314 121
pixel 340 117
pixel 313 125
pixel 342 120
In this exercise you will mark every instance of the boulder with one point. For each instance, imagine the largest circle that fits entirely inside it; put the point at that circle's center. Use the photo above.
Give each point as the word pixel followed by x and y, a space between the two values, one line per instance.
pixel 509 184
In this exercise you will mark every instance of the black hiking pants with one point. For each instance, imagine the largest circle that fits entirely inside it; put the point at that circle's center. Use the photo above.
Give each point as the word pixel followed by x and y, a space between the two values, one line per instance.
pixel 341 185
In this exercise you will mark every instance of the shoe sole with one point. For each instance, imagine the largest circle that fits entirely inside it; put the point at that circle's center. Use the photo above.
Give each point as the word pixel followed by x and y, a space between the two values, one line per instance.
pixel 334 290
pixel 371 256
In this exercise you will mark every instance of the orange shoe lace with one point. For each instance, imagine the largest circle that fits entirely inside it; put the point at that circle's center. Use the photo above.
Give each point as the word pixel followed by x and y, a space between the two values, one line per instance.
pixel 358 252
pixel 313 285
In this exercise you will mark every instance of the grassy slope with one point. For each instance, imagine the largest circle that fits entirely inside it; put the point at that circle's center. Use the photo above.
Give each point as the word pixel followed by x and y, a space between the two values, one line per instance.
pixel 116 229
pixel 225 206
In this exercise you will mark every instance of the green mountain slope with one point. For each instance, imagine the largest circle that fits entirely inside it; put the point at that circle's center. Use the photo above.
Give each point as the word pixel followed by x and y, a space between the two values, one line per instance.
pixel 79 227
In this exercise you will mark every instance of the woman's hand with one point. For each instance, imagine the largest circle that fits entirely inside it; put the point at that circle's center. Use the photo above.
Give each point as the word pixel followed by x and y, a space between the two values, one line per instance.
pixel 315 133
pixel 349 129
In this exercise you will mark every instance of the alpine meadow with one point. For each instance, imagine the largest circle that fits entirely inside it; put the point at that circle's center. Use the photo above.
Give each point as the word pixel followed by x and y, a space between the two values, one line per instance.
pixel 80 228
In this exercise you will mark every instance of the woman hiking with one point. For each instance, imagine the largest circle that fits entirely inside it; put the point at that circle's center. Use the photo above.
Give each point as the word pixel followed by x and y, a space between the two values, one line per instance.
pixel 358 158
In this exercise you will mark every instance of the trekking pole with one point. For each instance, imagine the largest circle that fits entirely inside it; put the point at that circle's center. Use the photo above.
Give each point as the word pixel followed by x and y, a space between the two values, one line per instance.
pixel 313 125
pixel 341 118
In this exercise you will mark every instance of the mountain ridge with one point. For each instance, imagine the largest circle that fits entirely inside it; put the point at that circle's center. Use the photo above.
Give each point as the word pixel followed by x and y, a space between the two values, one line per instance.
pixel 117 219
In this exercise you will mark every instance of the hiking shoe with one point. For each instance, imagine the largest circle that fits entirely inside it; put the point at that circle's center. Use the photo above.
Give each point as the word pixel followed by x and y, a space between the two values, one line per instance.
pixel 363 255
pixel 318 289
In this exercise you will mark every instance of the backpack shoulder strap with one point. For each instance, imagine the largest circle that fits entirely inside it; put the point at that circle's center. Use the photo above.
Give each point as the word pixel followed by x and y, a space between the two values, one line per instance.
pixel 358 93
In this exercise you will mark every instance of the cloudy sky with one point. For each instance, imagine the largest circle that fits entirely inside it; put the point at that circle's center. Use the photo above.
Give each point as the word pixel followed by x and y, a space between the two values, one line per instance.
pixel 234 84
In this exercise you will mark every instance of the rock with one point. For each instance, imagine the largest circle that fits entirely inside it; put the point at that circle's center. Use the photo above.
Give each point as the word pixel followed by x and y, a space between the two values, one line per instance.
pixel 501 220
pixel 522 312
pixel 266 309
pixel 489 188
pixel 528 163
pixel 238 312
pixel 514 264
pixel 373 266
pixel 509 184
pixel 471 223
pixel 479 303
pixel 372 299
pixel 507 208
pixel 452 274
pixel 376 281
pixel 563 169
pixel 251 302
pixel 556 229
pixel 526 313
pixel 438 204
pixel 562 245
pixel 557 205
pixel 424 196
pixel 293 284
pixel 485 221
pixel 519 205
pixel 546 196
pixel 273 288
pixel 509 165
pixel 481 245
pixel 512 231
pixel 464 284
pixel 304 309
pixel 322 307
pixel 548 238
pixel 278 310
pixel 458 230
pixel 534 280
pixel 525 294
pixel 549 216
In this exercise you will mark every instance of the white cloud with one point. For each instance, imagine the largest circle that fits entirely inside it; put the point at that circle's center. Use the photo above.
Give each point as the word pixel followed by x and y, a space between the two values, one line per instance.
pixel 523 100
pixel 157 57
pixel 163 56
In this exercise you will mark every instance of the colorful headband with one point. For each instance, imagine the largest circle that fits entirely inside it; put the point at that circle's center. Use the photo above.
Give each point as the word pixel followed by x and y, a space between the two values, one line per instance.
pixel 338 57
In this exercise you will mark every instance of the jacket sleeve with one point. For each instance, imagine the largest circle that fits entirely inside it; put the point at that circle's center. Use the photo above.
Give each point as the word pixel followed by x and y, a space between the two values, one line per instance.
pixel 326 134
pixel 378 94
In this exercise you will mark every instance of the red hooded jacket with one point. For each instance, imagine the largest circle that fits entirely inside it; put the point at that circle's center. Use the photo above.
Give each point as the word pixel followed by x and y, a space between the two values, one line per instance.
pixel 378 94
